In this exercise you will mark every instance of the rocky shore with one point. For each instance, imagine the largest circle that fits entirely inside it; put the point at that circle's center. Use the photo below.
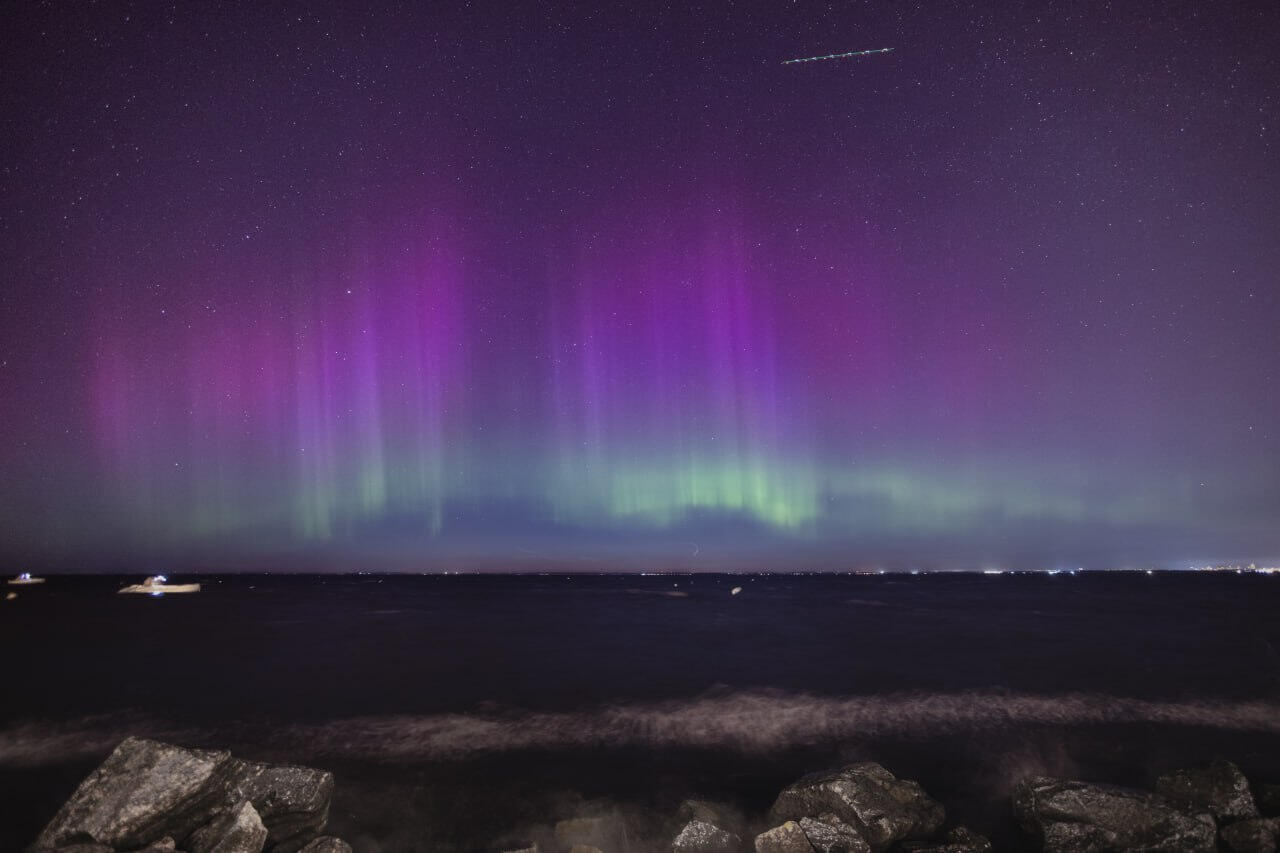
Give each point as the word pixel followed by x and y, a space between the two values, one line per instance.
pixel 156 797
pixel 153 797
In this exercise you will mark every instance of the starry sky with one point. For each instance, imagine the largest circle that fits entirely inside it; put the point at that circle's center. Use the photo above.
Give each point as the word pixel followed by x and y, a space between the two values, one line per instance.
pixel 345 286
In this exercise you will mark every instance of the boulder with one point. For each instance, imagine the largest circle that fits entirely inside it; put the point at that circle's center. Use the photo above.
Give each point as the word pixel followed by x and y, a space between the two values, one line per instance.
pixel 606 832
pixel 880 807
pixel 1083 818
pixel 827 833
pixel 164 845
pixel 293 802
pixel 1219 789
pixel 531 847
pixel 959 840
pixel 787 838
pixel 1256 835
pixel 700 836
pixel 329 844
pixel 720 814
pixel 143 791
pixel 238 830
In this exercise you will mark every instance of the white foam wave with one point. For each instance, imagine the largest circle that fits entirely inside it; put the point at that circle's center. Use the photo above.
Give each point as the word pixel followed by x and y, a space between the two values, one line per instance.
pixel 761 722
pixel 757 722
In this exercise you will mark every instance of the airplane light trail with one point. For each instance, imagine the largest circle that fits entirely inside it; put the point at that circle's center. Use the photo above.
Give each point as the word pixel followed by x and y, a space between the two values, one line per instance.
pixel 838 55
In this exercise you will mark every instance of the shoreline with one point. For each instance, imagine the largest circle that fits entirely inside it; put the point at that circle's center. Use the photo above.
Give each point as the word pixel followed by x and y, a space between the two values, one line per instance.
pixel 146 790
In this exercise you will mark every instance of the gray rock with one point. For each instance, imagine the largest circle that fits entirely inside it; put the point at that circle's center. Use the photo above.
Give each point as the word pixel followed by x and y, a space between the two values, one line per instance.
pixel 530 848
pixel 787 838
pixel 164 845
pixel 880 807
pixel 607 832
pixel 329 844
pixel 827 833
pixel 238 830
pixel 699 836
pixel 88 847
pixel 293 802
pixel 720 814
pixel 1257 835
pixel 142 792
pixel 959 840
pixel 1219 789
pixel 1083 818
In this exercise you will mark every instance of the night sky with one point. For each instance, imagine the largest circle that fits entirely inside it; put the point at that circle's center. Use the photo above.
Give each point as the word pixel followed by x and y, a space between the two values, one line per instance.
pixel 531 286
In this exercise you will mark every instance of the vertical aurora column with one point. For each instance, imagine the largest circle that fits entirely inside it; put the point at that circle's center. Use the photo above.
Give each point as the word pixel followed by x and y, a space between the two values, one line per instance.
pixel 667 392
pixel 295 421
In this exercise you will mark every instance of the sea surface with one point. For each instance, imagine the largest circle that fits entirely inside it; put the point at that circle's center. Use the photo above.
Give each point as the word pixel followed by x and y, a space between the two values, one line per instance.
pixel 467 712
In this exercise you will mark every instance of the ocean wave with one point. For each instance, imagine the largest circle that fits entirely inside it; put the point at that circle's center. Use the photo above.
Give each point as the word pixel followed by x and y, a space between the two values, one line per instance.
pixel 757 722
pixel 32 744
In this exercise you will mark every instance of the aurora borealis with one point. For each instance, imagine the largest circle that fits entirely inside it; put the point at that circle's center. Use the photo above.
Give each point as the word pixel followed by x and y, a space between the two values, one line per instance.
pixel 306 286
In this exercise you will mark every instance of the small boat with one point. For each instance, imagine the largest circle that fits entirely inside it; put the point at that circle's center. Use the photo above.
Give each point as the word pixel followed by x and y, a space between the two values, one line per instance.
pixel 24 579
pixel 159 585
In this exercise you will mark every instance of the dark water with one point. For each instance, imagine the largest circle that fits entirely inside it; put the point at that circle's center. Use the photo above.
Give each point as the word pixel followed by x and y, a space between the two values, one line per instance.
pixel 462 711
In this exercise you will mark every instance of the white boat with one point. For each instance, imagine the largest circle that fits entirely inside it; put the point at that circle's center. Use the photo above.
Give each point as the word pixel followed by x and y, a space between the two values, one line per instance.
pixel 159 585
pixel 24 579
